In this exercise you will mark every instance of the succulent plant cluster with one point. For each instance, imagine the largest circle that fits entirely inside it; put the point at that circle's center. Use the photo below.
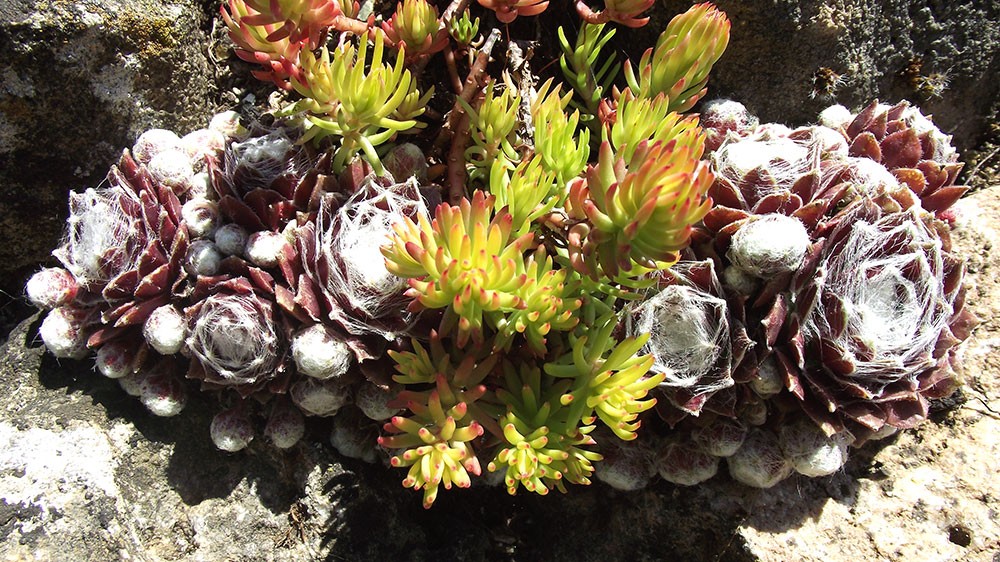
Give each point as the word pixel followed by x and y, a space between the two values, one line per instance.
pixel 541 275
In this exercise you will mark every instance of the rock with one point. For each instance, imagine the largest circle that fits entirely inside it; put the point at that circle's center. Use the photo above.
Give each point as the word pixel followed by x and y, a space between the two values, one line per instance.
pixel 788 60
pixel 78 82
pixel 927 494
pixel 86 473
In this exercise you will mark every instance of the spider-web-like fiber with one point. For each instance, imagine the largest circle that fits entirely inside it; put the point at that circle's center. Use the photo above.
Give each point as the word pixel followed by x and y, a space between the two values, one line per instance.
pixel 102 239
pixel 258 161
pixel 689 337
pixel 351 243
pixel 889 274
pixel 235 338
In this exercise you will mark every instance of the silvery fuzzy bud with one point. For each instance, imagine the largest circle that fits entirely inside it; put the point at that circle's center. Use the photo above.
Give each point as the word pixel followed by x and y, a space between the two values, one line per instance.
pixel 227 123
pixel 64 332
pixel 685 465
pixel 768 381
pixel 319 398
pixel 374 400
pixel 811 451
pixel 722 116
pixel 116 358
pixel 319 353
pixel 203 258
pixel 770 245
pixel 760 462
pixel 628 469
pixel 201 187
pixel 51 287
pixel 162 393
pixel 203 143
pixel 230 239
pixel 721 438
pixel 739 281
pixel 172 168
pixel 264 248
pixel 165 330
pixel 130 384
pixel 836 117
pixel 352 438
pixel 201 217
pixel 231 430
pixel 285 426
pixel 153 142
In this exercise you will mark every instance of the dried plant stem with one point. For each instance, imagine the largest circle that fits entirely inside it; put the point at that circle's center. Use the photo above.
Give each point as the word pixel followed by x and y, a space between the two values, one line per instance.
pixel 458 121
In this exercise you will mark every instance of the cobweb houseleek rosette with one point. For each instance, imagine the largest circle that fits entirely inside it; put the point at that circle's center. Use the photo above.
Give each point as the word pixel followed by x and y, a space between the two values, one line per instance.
pixel 685 52
pixel 364 109
pixel 463 261
pixel 641 214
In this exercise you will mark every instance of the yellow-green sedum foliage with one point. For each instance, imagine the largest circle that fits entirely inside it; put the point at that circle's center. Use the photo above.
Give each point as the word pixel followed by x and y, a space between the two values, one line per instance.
pixel 563 200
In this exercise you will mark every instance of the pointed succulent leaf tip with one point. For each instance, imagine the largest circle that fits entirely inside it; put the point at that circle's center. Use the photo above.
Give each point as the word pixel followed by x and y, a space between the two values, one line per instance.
pixel 492 130
pixel 363 108
pixel 624 12
pixel 462 261
pixel 543 443
pixel 415 26
pixel 435 442
pixel 683 57
pixel 257 42
pixel 297 21
pixel 640 214
pixel 563 152
pixel 610 379
pixel 463 29
pixel 508 10
pixel 585 70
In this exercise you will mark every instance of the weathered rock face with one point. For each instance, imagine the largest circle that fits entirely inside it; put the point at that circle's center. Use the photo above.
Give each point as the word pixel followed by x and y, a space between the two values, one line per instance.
pixel 78 82
pixel 787 60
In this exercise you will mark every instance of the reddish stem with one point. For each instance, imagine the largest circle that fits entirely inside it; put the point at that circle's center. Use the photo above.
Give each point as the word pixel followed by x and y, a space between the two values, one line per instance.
pixel 590 16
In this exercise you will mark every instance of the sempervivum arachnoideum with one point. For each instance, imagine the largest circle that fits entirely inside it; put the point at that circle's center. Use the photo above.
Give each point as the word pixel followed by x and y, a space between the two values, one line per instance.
pixel 262 181
pixel 345 278
pixel 694 340
pixel 877 312
pixel 908 144
pixel 237 337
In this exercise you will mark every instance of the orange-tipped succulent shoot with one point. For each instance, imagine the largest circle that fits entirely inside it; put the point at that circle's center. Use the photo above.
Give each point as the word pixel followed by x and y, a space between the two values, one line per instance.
pixel 295 20
pixel 437 435
pixel 360 106
pixel 625 12
pixel 461 260
pixel 416 27
pixel 508 10
pixel 279 57
pixel 683 57
pixel 650 119
pixel 642 214
pixel 610 379
pixel 542 450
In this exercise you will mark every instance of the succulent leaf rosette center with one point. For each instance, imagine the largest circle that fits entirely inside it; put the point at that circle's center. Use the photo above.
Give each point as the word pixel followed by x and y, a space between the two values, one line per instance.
pixel 883 304
pixel 234 336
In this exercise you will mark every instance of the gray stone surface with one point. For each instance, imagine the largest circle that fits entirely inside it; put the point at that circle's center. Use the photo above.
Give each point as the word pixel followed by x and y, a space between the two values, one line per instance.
pixel 779 47
pixel 78 82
